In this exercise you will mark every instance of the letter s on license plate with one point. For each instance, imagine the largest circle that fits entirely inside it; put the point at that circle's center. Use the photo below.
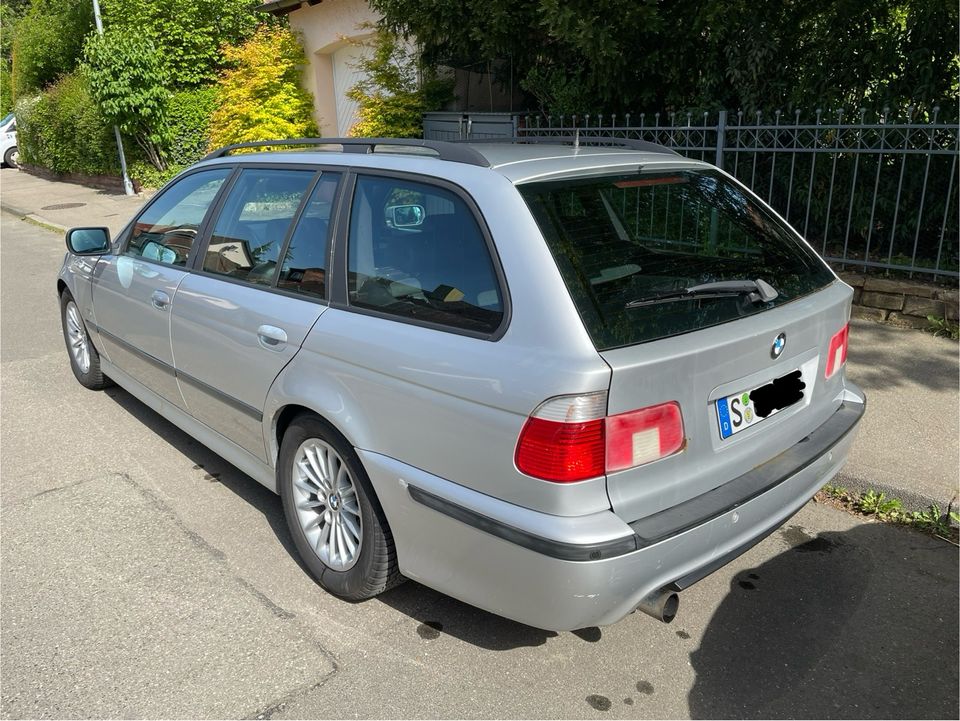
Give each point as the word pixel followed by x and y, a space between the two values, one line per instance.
pixel 738 412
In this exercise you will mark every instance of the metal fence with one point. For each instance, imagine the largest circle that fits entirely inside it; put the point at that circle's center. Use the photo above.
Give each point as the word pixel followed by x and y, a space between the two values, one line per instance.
pixel 882 194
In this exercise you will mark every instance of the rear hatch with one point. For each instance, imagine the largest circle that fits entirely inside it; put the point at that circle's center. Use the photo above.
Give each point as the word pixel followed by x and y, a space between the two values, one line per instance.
pixel 695 293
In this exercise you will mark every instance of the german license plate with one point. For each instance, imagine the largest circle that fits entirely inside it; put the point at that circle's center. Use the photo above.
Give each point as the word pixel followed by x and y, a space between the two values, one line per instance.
pixel 742 410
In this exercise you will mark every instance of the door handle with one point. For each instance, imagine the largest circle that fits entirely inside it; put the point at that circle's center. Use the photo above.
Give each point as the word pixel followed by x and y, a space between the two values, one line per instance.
pixel 160 300
pixel 271 337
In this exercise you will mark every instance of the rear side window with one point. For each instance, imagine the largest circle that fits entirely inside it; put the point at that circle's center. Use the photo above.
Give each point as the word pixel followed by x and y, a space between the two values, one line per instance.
pixel 250 230
pixel 623 243
pixel 166 230
pixel 417 252
pixel 304 267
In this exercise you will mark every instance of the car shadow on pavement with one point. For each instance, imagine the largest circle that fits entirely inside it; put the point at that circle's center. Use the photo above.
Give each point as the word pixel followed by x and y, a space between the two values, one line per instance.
pixel 435 612
pixel 213 466
pixel 860 624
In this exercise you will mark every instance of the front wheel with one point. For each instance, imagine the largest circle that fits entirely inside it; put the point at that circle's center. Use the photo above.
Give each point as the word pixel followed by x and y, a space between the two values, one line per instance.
pixel 12 157
pixel 333 514
pixel 84 359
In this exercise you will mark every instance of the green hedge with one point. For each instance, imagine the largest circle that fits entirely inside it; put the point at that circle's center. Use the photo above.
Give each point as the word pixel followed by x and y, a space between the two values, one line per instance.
pixel 62 129
pixel 188 115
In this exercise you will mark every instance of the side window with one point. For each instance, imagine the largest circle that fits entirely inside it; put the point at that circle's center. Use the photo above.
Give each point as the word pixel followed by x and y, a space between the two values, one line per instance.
pixel 166 230
pixel 249 233
pixel 304 267
pixel 416 251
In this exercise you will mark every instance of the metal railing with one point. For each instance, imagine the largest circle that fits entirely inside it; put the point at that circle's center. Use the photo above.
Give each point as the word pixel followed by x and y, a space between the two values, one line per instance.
pixel 881 194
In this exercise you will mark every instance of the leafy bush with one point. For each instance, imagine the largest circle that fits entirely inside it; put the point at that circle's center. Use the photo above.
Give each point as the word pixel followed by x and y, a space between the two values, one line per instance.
pixel 6 89
pixel 63 129
pixel 188 33
pixel 129 80
pixel 260 96
pixel 393 96
pixel 188 117
pixel 48 42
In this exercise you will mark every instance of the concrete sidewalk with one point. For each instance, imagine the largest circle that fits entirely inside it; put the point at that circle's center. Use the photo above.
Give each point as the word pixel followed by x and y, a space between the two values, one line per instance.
pixel 909 442
pixel 65 205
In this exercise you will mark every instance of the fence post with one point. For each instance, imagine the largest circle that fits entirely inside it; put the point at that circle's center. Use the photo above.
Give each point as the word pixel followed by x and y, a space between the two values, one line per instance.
pixel 721 138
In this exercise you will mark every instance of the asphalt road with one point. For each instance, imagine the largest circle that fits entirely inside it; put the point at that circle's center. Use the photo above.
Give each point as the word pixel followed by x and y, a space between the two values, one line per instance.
pixel 143 576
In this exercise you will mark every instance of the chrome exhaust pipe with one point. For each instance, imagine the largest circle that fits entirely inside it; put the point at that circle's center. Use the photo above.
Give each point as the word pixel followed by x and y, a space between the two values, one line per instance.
pixel 661 605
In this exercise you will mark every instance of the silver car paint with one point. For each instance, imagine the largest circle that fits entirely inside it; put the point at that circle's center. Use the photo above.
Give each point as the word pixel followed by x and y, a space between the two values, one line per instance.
pixel 445 410
pixel 215 331
pixel 134 323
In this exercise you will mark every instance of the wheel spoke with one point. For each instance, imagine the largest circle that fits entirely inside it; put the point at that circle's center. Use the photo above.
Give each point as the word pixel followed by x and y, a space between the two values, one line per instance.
pixel 305 486
pixel 351 527
pixel 324 536
pixel 317 467
pixel 346 539
pixel 308 473
pixel 308 504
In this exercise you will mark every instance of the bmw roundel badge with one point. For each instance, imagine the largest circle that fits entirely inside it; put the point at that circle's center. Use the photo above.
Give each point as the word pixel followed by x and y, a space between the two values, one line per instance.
pixel 779 343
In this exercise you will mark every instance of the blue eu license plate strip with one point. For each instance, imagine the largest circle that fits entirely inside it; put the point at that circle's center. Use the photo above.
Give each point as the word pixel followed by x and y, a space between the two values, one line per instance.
pixel 740 411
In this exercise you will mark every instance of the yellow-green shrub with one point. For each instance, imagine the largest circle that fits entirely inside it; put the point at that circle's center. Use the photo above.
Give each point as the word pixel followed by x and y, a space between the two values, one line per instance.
pixel 395 93
pixel 260 97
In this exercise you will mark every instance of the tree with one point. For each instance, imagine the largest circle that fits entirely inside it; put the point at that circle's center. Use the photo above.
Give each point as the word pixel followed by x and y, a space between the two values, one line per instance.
pixel 394 92
pixel 622 55
pixel 260 95
pixel 187 33
pixel 129 81
pixel 48 41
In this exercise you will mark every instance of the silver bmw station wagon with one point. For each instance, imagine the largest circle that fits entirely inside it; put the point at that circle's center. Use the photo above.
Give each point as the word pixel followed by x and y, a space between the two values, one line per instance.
pixel 558 381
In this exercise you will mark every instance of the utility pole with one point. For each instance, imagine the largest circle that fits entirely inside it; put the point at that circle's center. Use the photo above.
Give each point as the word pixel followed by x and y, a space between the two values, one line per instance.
pixel 127 185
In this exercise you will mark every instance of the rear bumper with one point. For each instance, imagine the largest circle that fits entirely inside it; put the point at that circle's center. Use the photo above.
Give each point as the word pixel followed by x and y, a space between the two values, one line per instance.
pixel 563 573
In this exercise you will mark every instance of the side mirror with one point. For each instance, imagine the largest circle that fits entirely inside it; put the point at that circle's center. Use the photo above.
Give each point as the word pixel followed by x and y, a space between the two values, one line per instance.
pixel 88 241
pixel 408 216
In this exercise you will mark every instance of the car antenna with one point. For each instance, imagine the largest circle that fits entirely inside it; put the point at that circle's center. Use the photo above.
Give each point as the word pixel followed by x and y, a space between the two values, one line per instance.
pixel 576 138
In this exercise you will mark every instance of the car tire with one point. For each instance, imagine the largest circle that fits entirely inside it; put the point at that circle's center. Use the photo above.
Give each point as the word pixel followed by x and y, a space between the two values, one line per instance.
pixel 84 358
pixel 12 157
pixel 333 514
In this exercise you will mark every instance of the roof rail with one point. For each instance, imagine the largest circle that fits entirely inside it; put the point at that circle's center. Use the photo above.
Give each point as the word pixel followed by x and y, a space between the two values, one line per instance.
pixel 443 150
pixel 577 139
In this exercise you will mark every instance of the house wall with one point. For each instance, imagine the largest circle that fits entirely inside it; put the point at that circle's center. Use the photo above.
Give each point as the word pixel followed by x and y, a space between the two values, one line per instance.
pixel 327 29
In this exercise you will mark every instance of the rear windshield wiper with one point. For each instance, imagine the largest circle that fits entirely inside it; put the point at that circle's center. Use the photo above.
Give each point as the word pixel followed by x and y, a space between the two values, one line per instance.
pixel 757 291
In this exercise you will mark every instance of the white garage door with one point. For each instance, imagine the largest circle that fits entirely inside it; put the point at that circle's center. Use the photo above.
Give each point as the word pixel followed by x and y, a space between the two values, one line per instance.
pixel 345 76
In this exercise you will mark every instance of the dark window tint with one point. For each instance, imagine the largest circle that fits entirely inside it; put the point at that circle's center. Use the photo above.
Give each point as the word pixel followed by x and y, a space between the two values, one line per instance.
pixel 166 230
pixel 416 251
pixel 621 241
pixel 250 230
pixel 305 261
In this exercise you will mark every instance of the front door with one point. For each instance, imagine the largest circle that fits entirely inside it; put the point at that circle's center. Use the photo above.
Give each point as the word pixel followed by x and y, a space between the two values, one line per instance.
pixel 243 316
pixel 134 290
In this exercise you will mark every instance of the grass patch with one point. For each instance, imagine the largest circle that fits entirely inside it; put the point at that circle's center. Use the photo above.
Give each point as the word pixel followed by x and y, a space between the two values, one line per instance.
pixel 933 519
pixel 943 327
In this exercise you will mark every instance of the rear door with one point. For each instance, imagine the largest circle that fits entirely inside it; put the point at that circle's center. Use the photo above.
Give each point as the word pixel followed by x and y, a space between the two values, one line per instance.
pixel 628 247
pixel 134 290
pixel 259 287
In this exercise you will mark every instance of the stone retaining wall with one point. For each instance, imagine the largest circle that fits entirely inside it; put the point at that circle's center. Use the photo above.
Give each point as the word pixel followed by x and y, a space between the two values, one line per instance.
pixel 902 302
pixel 106 182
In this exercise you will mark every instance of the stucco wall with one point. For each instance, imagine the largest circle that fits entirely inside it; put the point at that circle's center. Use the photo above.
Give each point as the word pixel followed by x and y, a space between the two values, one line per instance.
pixel 326 28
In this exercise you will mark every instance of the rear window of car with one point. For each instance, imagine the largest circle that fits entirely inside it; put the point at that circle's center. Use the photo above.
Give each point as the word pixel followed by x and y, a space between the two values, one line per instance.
pixel 624 242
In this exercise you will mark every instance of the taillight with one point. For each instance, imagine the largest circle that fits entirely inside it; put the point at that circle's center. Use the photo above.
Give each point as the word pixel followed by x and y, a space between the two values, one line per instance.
pixel 562 440
pixel 837 353
pixel 569 438
pixel 643 436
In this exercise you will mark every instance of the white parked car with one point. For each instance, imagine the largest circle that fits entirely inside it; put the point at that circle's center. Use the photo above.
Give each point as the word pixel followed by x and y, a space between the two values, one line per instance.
pixel 8 141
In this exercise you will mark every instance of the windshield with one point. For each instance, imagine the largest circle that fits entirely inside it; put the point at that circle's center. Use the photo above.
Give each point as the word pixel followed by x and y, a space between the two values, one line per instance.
pixel 617 239
pixel 6 119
